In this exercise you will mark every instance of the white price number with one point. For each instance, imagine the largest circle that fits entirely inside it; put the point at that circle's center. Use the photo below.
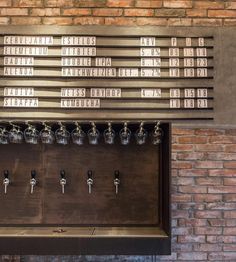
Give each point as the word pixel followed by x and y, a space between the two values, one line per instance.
pixel 201 52
pixel 174 103
pixel 173 41
pixel 174 72
pixel 174 93
pixel 201 72
pixel 202 103
pixel 201 41
pixel 188 103
pixel 188 52
pixel 173 51
pixel 201 62
pixel 174 62
pixel 189 92
pixel 188 62
pixel 188 72
pixel 202 92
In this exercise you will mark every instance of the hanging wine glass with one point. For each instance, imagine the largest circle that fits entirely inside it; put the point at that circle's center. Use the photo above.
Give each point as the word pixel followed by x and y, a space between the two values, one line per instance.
pixel 93 135
pixel 78 135
pixel 47 135
pixel 125 135
pixel 109 135
pixel 4 136
pixel 31 134
pixel 62 135
pixel 157 134
pixel 16 136
pixel 141 135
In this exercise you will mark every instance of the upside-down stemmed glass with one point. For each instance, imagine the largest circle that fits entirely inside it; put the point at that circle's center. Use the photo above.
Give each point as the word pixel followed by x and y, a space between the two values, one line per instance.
pixel 62 135
pixel 93 135
pixel 78 135
pixel 157 134
pixel 125 135
pixel 16 136
pixel 109 135
pixel 141 135
pixel 31 134
pixel 47 135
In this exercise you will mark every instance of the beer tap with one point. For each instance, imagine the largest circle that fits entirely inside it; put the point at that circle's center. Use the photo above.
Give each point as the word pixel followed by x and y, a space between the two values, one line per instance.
pixel 33 181
pixel 6 180
pixel 62 181
pixel 117 180
pixel 90 181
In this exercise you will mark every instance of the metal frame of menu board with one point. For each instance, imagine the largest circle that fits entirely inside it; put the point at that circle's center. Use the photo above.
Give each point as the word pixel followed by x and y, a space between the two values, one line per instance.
pixel 100 73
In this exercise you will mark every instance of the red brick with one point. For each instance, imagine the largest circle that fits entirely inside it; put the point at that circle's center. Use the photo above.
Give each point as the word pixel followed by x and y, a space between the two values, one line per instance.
pixel 230 164
pixel 221 156
pixel 207 198
pixel 191 239
pixel 4 20
pixel 208 230
pixel 230 148
pixel 230 214
pixel 222 189
pixel 138 12
pixel 89 21
pixel 107 12
pixel 179 22
pixel 180 214
pixel 190 156
pixel 222 13
pixel 45 12
pixel 192 172
pixel 193 256
pixel 27 3
pixel 177 4
pixel 196 12
pixel 193 189
pixel 202 181
pixel 230 231
pixel 206 22
pixel 5 3
pixel 120 3
pixel 181 198
pixel 209 147
pixel 229 22
pixel 216 222
pixel 221 172
pixel 183 247
pixel 230 5
pixel 147 4
pixel 193 139
pixel 230 197
pixel 181 148
pixel 230 182
pixel 208 214
pixel 58 3
pixel 183 181
pixel 120 21
pixel 231 132
pixel 222 139
pixel 221 206
pixel 151 21
pixel 76 11
pixel 182 165
pixel 208 164
pixel 192 222
pixel 207 247
pixel 209 4
pixel 229 239
pixel 230 222
pixel 170 12
pixel 209 132
pixel 222 256
pixel 191 206
pixel 231 247
pixel 26 20
pixel 14 11
pixel 57 21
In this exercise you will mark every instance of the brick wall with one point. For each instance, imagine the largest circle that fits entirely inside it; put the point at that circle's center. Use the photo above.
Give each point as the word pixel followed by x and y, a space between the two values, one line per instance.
pixel 204 160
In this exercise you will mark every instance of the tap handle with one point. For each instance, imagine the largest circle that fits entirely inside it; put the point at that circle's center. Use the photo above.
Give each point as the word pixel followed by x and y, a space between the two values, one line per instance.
pixel 6 173
pixel 33 174
pixel 117 174
pixel 90 174
pixel 62 173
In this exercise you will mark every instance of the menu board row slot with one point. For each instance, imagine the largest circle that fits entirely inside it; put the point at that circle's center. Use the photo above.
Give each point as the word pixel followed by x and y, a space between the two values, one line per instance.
pixel 106 52
pixel 86 103
pixel 80 40
pixel 45 62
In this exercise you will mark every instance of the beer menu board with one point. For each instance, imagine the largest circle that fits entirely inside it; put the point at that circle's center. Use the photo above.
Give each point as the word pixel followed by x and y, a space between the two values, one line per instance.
pixel 78 76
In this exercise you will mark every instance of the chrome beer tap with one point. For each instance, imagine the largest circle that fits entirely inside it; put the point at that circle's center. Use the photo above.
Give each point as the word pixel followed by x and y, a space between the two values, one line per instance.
pixel 90 181
pixel 33 181
pixel 6 180
pixel 63 181
pixel 117 180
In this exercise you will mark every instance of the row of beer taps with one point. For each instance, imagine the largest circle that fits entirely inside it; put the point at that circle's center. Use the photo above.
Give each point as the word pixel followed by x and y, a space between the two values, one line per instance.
pixel 62 181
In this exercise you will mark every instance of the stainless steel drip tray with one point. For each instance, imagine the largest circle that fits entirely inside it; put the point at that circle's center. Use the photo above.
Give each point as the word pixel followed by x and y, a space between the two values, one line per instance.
pixel 81 232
